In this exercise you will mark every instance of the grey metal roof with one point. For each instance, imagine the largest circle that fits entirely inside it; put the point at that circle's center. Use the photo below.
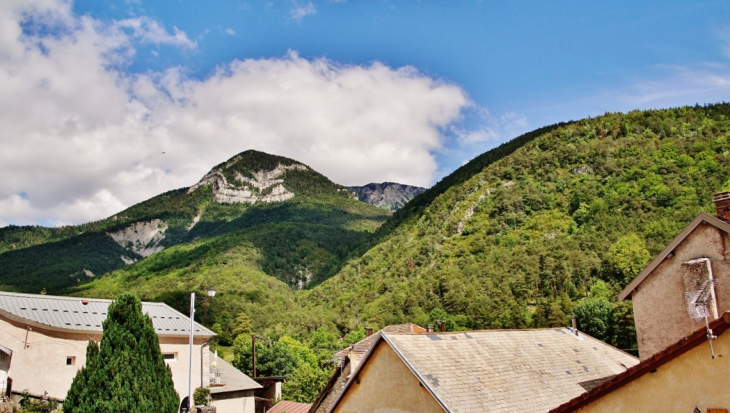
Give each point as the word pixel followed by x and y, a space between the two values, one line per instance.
pixel 71 314
pixel 234 379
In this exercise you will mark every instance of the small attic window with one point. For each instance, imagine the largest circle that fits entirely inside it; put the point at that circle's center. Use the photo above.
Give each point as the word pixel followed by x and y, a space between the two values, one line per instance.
pixel 169 356
pixel 71 361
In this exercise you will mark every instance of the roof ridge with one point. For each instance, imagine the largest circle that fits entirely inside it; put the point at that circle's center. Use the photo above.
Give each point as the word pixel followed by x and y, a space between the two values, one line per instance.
pixel 74 298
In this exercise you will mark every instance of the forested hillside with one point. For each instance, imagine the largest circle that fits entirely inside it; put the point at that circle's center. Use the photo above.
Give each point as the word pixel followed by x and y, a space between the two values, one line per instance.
pixel 553 223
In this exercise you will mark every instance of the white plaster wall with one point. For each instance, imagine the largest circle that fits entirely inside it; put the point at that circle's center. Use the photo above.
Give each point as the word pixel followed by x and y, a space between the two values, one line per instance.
pixel 237 405
pixel 40 364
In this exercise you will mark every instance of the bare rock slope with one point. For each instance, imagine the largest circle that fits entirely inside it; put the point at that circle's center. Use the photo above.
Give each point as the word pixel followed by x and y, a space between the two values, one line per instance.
pixel 387 195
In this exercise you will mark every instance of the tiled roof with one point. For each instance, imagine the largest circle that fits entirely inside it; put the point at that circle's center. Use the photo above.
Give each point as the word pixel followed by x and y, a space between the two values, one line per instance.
pixel 362 346
pixel 504 370
pixel 718 327
pixel 507 370
pixel 289 407
pixel 71 314
pixel 234 379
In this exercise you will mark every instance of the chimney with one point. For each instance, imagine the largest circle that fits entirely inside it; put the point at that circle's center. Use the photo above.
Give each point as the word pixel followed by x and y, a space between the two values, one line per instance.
pixel 429 328
pixel 442 326
pixel 368 331
pixel 575 324
pixel 722 205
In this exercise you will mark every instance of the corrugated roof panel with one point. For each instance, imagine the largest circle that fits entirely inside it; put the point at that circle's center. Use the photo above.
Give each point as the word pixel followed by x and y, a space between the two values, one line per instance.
pixel 69 313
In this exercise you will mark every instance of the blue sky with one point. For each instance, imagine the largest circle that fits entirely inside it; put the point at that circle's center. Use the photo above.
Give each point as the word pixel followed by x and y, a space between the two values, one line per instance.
pixel 468 76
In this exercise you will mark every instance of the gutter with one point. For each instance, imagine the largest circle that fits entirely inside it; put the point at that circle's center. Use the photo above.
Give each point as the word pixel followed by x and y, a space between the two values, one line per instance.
pixel 202 349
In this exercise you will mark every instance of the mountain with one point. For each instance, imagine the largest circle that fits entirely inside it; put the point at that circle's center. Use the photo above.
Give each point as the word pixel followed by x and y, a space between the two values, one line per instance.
pixel 388 195
pixel 301 222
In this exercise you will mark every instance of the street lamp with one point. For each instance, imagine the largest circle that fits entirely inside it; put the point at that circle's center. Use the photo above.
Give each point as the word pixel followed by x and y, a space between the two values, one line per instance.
pixel 211 294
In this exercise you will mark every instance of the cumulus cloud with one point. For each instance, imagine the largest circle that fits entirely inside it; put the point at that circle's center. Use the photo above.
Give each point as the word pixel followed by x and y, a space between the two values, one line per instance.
pixel 82 138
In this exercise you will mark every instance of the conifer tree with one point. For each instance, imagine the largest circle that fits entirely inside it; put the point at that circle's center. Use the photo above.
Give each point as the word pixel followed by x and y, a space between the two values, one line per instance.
pixel 126 372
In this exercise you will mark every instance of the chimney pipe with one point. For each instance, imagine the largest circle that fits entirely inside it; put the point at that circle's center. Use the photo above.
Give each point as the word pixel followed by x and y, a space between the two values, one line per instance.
pixel 429 328
pixel 575 324
pixel 368 331
pixel 722 205
pixel 442 326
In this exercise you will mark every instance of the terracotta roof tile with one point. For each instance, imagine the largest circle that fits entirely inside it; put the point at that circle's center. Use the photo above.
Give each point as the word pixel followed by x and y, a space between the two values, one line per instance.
pixel 289 407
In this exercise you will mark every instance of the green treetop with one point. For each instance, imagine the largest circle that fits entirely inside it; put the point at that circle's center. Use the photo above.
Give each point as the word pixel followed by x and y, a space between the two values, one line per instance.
pixel 126 372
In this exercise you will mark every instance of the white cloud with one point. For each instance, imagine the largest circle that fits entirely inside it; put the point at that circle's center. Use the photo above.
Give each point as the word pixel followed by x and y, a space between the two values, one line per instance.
pixel 230 31
pixel 150 31
pixel 84 139
pixel 300 10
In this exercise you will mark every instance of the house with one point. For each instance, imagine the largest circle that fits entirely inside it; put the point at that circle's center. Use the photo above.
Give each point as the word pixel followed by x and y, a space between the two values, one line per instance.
pixel 269 393
pixel 43 341
pixel 695 257
pixel 231 391
pixel 680 378
pixel 478 371
pixel 348 359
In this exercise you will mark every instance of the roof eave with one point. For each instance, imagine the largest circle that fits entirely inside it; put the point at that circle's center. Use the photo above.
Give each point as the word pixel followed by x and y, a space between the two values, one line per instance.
pixel 671 352
pixel 701 217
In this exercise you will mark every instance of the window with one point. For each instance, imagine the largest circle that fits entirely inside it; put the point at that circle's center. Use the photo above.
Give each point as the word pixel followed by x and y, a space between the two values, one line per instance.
pixel 170 356
pixel 70 361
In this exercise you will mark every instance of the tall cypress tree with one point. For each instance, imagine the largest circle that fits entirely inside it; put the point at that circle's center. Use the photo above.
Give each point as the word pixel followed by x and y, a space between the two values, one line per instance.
pixel 126 372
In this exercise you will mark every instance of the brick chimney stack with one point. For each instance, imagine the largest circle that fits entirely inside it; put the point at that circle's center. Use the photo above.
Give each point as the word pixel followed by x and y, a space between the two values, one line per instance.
pixel 722 205
pixel 368 331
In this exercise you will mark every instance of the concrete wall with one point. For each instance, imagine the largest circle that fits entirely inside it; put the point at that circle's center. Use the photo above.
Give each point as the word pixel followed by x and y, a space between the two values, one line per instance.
pixel 39 364
pixel 691 380
pixel 235 402
pixel 387 386
pixel 659 305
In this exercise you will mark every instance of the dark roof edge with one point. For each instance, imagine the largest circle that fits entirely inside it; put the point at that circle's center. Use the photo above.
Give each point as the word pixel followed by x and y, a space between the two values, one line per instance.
pixel 330 384
pixel 701 217
pixel 673 351
pixel 355 373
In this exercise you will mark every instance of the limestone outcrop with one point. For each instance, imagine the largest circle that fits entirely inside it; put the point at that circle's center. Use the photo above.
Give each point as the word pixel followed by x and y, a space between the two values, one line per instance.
pixel 143 238
pixel 249 190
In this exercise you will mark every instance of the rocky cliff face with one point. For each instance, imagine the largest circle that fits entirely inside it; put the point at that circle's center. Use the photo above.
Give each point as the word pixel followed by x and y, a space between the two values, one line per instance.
pixel 388 195
pixel 265 186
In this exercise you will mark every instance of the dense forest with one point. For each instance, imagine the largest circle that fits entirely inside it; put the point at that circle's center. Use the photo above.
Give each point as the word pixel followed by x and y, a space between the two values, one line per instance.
pixel 553 223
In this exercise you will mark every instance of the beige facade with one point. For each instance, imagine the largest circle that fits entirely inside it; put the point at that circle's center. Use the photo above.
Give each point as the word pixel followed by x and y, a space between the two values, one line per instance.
pixel 387 385
pixel 658 298
pixel 44 360
pixel 239 402
pixel 692 380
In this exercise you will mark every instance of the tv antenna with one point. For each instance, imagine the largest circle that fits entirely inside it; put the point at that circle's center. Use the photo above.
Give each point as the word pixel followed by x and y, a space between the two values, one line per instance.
pixel 697 303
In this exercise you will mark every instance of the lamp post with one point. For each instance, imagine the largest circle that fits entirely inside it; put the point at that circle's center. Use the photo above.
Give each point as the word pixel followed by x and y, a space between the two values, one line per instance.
pixel 211 294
